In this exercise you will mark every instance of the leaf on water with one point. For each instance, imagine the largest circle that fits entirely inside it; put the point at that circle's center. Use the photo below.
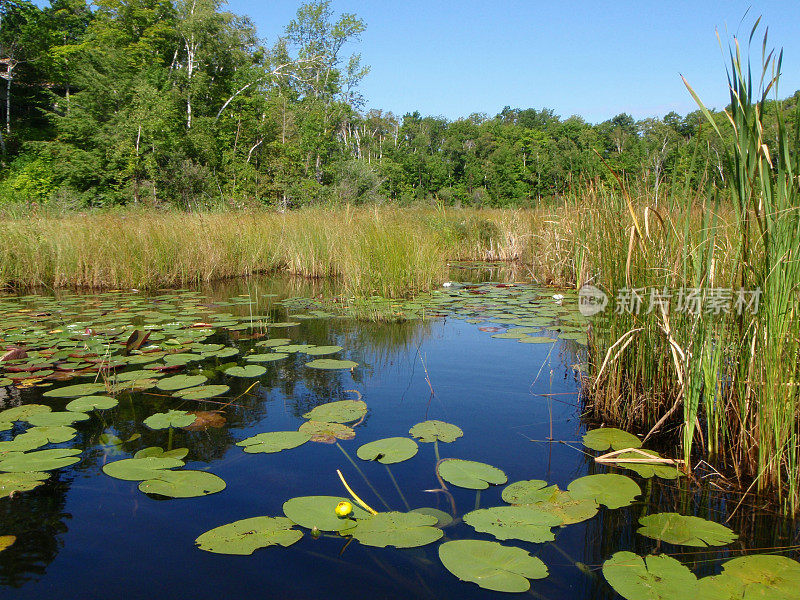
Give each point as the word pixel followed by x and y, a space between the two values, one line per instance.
pixel 401 530
pixel 330 364
pixel 40 460
pixel 173 418
pixel 88 403
pixel 443 519
pixel 648 470
pixel 570 510
pixel 323 350
pixel 652 578
pixel 327 433
pixel 685 530
pixel 615 491
pixel 179 453
pixel 470 474
pixel 247 371
pixel 183 484
pixel 319 512
pixel 179 382
pixel 388 450
pixel 206 419
pixel 248 535
pixel 53 435
pixel 274 441
pixel 56 419
pixel 74 391
pixel 202 392
pixel 20 482
pixel 491 565
pixel 265 358
pixel 608 437
pixel 343 411
pixel 528 492
pixel 514 522
pixel 431 431
pixel 21 413
pixel 755 576
pixel 140 469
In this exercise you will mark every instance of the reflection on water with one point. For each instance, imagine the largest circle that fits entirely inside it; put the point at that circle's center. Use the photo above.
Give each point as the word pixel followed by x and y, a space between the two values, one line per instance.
pixel 85 535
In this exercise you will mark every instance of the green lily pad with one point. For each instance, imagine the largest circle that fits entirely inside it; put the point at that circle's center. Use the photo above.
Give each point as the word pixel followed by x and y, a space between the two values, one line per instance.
pixel 570 510
pixel 179 453
pixel 74 391
pixel 180 382
pixel 247 371
pixel 608 437
pixel 327 433
pixel 183 484
pixel 470 474
pixel 182 358
pixel 264 358
pixel 757 576
pixel 202 392
pixel 491 565
pixel 615 491
pixel 140 469
pixel 388 450
pixel 20 482
pixel 282 324
pixel 319 512
pixel 323 350
pixel 173 418
pixel 248 535
pixel 536 339
pixel 652 578
pixel 443 519
pixel 21 413
pixel 685 530
pixel 528 492
pixel 432 431
pixel 648 470
pixel 131 376
pixel 401 530
pixel 273 342
pixel 274 441
pixel 514 522
pixel 53 435
pixel 56 419
pixel 23 442
pixel 331 363
pixel 88 403
pixel 5 425
pixel 343 411
pixel 40 460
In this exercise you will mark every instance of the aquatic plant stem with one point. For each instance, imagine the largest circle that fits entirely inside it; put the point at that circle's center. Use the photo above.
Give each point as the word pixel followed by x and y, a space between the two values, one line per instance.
pixel 397 487
pixel 477 499
pixel 364 477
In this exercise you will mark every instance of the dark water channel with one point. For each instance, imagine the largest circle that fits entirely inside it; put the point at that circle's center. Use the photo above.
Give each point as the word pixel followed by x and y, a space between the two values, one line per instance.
pixel 83 534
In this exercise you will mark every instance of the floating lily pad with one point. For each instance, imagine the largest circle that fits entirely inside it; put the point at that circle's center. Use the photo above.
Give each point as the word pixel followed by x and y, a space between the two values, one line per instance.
pixel 491 565
pixel 323 350
pixel 514 522
pixel 179 453
pixel 431 431
pixel 40 460
pixel 528 492
pixel 202 392
pixel 273 342
pixel 608 437
pixel 274 441
pixel 179 382
pixel 327 433
pixel 248 535
pixel 88 403
pixel 246 371
pixel 758 576
pixel 319 512
pixel 570 510
pixel 615 491
pixel 685 530
pixel 140 469
pixel 388 450
pixel 342 411
pixel 331 363
pixel 74 391
pixel 173 418
pixel 21 413
pixel 20 482
pixel 53 435
pixel 183 484
pixel 443 519
pixel 648 470
pixel 652 578
pixel 282 324
pixel 536 339
pixel 470 474
pixel 56 419
pixel 401 530
pixel 265 358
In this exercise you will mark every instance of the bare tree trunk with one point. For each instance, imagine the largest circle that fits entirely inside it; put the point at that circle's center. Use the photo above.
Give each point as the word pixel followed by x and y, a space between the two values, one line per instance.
pixel 8 101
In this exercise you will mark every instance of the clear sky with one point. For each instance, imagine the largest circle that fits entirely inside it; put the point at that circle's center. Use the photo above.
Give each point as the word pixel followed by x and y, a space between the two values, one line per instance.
pixel 591 58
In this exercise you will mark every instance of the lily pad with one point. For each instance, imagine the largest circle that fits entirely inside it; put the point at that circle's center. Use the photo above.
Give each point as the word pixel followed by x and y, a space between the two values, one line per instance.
pixel 202 392
pixel 323 350
pixel 248 535
pixel 514 522
pixel 615 491
pixel 388 450
pixel 570 510
pixel 491 565
pixel 648 470
pixel 470 474
pixel 173 418
pixel 180 382
pixel 331 364
pixel 20 482
pixel 652 578
pixel 273 342
pixel 247 371
pixel 140 469
pixel 179 453
pixel 685 530
pixel 443 519
pixel 183 484
pixel 74 391
pixel 327 433
pixel 21 413
pixel 432 431
pixel 274 441
pixel 88 403
pixel 608 437
pixel 56 419
pixel 53 435
pixel 528 492
pixel 758 576
pixel 343 411
pixel 401 530
pixel 40 460
pixel 319 512
pixel 265 358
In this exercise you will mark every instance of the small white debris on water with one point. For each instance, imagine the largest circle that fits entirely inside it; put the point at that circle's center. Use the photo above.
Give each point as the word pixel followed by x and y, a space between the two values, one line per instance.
pixel 558 298
pixel 447 284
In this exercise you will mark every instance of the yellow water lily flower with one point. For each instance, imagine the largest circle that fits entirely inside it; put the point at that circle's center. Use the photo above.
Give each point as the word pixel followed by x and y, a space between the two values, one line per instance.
pixel 344 508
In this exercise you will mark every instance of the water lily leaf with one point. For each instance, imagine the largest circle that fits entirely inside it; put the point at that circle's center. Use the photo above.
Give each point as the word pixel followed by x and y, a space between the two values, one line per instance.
pixel 248 535
pixel 133 376
pixel 56 419
pixel 274 441
pixel 319 512
pixel 648 470
pixel 74 391
pixel 294 348
pixel 327 433
pixel 443 519
pixel 88 403
pixel 179 453
pixel 470 474
pixel 53 435
pixel 331 363
pixel 183 484
pixel 491 565
pixel 570 510
pixel 181 358
pixel 528 492
pixel 21 413
pixel 431 431
pixel 401 530
pixel 179 382
pixel 758 576
pixel 685 530
pixel 206 419
pixel 5 425
pixel 323 350
pixel 514 522
pixel 273 342
pixel 140 469
pixel 264 358
pixel 173 418
pixel 40 460
pixel 202 392
pixel 246 371
pixel 536 339
pixel 608 437
pixel 388 450
pixel 343 411
pixel 615 491
pixel 652 578
pixel 20 482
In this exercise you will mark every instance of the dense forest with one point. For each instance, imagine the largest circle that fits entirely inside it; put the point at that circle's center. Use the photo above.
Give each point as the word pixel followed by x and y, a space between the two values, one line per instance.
pixel 178 102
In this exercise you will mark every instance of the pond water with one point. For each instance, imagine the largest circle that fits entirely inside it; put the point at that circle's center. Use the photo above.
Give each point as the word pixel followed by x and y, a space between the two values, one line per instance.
pixel 85 534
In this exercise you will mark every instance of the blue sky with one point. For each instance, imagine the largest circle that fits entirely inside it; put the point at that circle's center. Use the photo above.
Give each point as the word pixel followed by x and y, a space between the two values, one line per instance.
pixel 595 59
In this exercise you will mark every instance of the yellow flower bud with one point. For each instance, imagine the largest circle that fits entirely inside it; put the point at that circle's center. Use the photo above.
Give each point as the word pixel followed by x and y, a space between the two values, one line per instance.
pixel 344 508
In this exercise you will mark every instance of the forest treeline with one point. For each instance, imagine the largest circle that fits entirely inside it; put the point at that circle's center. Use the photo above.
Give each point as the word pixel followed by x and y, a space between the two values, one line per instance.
pixel 178 102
